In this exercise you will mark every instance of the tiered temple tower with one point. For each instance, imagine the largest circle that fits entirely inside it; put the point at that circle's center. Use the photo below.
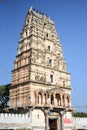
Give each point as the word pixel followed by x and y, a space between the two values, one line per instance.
pixel 39 77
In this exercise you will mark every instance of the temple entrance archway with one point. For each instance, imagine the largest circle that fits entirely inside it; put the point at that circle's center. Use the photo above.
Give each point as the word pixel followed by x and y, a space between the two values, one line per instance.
pixel 52 124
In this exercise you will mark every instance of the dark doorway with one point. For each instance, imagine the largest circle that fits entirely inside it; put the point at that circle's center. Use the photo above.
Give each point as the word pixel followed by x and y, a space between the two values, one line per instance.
pixel 53 124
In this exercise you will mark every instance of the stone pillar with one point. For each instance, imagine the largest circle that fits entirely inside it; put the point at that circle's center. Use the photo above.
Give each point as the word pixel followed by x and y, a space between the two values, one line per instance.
pixel 42 99
pixel 46 99
pixel 61 120
pixel 36 98
pixel 46 119
pixel 49 100
pixel 58 123
pixel 61 100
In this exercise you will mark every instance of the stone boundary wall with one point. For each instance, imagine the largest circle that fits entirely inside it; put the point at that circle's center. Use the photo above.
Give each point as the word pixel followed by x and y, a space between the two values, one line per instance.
pixel 80 122
pixel 15 121
pixel 14 118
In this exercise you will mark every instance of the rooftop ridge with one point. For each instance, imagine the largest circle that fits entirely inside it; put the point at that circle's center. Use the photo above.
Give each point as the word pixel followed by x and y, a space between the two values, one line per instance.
pixel 38 12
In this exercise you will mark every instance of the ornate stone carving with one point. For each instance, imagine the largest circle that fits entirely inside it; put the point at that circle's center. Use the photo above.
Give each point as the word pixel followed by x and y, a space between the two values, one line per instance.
pixel 40 78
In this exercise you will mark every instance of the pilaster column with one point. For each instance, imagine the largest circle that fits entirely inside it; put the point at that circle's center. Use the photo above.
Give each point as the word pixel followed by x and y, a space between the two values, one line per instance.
pixel 61 100
pixel 61 119
pixel 46 119
pixel 49 100
pixel 36 99
pixel 58 124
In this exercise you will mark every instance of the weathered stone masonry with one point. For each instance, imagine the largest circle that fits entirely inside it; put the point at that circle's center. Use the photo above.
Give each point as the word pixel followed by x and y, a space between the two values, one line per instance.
pixel 39 78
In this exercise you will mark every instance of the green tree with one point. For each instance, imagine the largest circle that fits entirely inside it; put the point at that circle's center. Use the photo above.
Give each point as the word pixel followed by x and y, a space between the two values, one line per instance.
pixel 4 96
pixel 80 114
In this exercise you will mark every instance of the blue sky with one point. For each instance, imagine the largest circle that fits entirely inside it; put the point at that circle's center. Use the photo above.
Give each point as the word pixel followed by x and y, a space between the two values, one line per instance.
pixel 70 17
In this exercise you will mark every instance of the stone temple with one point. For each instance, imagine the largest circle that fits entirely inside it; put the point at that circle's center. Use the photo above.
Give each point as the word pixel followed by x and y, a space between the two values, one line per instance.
pixel 40 82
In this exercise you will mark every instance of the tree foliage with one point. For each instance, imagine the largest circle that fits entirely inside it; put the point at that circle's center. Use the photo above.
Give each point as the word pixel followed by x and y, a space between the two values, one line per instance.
pixel 80 114
pixel 4 96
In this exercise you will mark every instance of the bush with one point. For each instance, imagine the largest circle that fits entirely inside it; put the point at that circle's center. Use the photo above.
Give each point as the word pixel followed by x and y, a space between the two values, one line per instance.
pixel 79 114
